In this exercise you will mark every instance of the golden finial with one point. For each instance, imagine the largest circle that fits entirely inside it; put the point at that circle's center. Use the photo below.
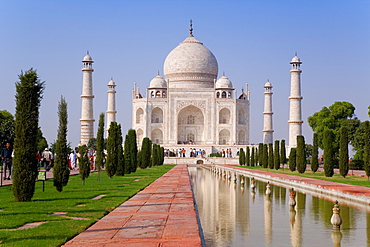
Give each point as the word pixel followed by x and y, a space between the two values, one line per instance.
pixel 191 27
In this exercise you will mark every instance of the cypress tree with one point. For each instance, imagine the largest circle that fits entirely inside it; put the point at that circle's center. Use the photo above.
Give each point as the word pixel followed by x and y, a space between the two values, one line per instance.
pixel 301 154
pixel 154 155
pixel 127 155
pixel 271 156
pixel 252 157
pixel 112 152
pixel 28 98
pixel 247 156
pixel 282 153
pixel 264 156
pixel 120 158
pixel 277 155
pixel 61 169
pixel 260 154
pixel 162 155
pixel 343 152
pixel 146 151
pixel 100 145
pixel 140 159
pixel 159 158
pixel 132 149
pixel 315 153
pixel 328 153
pixel 84 162
pixel 366 148
pixel 241 157
pixel 292 159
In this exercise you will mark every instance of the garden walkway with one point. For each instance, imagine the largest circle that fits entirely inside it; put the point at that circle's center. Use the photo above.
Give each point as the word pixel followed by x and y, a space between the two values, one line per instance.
pixel 162 214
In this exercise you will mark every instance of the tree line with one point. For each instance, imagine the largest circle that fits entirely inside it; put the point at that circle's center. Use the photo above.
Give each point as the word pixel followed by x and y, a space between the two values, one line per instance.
pixel 25 133
pixel 335 128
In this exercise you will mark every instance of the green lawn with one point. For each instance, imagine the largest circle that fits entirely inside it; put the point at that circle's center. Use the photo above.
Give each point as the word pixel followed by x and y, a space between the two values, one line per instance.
pixel 353 180
pixel 76 200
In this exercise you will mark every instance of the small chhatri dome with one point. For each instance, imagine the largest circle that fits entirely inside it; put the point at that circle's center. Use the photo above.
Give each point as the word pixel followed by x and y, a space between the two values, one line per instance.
pixel 111 83
pixel 191 64
pixel 224 82
pixel 87 58
pixel 268 85
pixel 296 60
pixel 158 82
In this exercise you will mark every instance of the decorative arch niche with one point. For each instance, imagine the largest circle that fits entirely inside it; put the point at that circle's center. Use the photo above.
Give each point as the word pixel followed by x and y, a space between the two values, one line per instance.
pixel 242 117
pixel 139 116
pixel 241 137
pixel 139 136
pixel 224 137
pixel 157 115
pixel 157 136
pixel 224 116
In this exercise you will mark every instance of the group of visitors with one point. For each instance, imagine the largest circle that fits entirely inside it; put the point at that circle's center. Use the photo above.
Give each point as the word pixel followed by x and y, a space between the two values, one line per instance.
pixel 195 153
pixel 227 153
pixel 46 160
pixel 73 160
pixel 181 152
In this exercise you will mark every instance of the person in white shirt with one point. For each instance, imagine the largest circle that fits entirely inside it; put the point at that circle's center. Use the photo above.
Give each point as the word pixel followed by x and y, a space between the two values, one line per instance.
pixel 72 159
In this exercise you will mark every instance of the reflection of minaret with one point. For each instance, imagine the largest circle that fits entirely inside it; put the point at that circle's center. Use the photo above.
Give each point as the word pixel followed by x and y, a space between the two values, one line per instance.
pixel 267 115
pixel 111 110
pixel 268 219
pixel 87 109
pixel 295 98
pixel 296 224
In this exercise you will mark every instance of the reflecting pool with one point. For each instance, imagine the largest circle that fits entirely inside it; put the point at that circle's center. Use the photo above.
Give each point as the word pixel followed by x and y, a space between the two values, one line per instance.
pixel 232 214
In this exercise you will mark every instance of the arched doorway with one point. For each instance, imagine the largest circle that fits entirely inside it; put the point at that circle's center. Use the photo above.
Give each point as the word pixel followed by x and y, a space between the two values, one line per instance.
pixel 190 126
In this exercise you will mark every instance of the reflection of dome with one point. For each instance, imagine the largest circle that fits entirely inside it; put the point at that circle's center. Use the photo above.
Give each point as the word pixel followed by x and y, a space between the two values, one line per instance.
pixel 190 61
pixel 158 82
pixel 224 82
pixel 87 58
pixel 296 60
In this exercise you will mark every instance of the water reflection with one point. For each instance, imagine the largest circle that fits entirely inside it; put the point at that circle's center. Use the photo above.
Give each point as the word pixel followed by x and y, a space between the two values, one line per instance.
pixel 234 214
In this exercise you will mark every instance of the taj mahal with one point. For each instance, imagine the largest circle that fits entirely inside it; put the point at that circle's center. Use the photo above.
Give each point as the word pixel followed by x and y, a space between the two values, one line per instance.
pixel 190 106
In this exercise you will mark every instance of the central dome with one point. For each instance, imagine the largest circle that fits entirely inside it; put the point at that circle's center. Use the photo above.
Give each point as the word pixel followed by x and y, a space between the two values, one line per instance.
pixel 191 64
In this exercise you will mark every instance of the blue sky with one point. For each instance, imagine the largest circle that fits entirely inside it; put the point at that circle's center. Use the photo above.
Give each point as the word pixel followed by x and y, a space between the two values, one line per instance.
pixel 253 41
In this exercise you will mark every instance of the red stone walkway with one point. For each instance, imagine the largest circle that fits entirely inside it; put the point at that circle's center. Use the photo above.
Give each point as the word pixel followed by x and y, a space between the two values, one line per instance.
pixel 163 214
pixel 346 188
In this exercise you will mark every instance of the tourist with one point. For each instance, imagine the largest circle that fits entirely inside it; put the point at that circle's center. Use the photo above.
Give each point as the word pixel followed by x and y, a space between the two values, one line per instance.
pixel 72 159
pixel 6 156
pixel 47 159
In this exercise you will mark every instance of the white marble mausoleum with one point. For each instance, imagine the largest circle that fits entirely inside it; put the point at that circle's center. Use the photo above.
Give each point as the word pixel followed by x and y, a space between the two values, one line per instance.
pixel 190 105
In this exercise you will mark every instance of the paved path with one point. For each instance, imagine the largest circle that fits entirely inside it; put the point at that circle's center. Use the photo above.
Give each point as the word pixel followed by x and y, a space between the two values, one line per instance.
pixel 346 188
pixel 163 214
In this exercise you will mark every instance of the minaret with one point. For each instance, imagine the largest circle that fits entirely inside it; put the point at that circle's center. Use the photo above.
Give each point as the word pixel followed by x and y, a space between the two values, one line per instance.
pixel 295 98
pixel 267 115
pixel 111 110
pixel 87 109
